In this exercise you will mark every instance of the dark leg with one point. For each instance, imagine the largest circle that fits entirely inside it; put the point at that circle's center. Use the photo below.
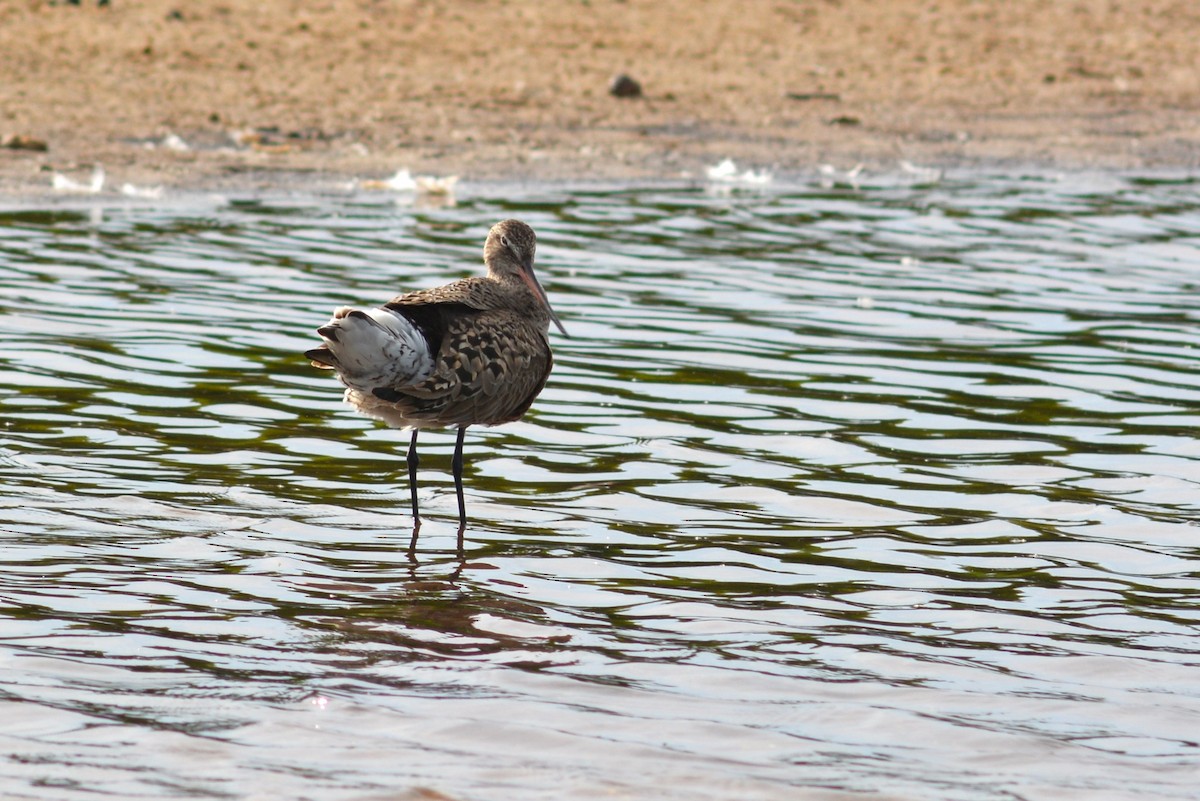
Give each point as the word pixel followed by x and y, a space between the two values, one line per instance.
pixel 457 464
pixel 413 461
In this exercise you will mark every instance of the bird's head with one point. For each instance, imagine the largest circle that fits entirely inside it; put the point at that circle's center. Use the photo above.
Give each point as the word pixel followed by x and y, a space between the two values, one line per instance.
pixel 508 253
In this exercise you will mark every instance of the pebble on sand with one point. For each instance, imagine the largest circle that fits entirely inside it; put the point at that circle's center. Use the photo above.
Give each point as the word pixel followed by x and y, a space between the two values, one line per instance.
pixel 623 86
pixel 21 142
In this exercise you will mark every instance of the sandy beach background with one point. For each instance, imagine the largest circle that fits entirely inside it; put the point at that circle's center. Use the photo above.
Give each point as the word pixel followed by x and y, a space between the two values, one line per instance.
pixel 270 92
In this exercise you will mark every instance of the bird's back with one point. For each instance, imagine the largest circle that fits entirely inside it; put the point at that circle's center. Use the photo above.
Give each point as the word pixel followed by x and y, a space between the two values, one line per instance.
pixel 490 358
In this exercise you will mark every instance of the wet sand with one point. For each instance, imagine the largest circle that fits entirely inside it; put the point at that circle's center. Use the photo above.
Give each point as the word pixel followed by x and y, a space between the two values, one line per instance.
pixel 247 94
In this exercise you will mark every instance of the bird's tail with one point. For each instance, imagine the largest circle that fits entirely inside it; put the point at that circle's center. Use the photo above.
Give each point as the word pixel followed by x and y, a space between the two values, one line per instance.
pixel 373 348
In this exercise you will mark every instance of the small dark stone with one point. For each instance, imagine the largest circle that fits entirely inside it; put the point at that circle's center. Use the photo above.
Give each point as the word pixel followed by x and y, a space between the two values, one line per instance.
pixel 812 96
pixel 845 119
pixel 175 15
pixel 309 135
pixel 624 86
pixel 20 142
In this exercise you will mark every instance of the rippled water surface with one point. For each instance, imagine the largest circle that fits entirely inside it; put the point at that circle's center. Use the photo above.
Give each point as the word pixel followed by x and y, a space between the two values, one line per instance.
pixel 885 491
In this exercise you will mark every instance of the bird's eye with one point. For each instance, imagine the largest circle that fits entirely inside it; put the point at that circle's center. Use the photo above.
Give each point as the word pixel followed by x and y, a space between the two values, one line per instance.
pixel 504 241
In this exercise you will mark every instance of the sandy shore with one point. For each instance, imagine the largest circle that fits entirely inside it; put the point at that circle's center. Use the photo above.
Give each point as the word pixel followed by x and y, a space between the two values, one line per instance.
pixel 258 94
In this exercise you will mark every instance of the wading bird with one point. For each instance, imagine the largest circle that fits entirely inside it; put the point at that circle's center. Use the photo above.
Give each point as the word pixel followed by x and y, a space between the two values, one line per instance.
pixel 472 352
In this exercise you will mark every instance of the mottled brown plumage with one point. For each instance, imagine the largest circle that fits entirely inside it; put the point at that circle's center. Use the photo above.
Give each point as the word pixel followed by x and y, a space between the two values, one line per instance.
pixel 472 352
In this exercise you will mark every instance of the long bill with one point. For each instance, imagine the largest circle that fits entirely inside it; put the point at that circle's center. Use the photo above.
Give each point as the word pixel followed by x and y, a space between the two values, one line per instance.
pixel 529 278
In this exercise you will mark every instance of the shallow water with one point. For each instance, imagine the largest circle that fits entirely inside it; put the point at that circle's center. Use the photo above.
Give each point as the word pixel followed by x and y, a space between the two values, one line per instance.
pixel 878 491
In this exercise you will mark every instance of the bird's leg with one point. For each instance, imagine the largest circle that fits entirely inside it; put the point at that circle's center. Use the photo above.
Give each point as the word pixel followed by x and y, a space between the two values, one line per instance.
pixel 413 461
pixel 457 465
pixel 412 545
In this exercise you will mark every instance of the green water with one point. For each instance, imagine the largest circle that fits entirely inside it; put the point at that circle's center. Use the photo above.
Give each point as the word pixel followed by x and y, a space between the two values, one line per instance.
pixel 888 490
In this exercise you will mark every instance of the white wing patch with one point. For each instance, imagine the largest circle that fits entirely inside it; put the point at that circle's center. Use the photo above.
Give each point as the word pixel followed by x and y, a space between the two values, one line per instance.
pixel 377 348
